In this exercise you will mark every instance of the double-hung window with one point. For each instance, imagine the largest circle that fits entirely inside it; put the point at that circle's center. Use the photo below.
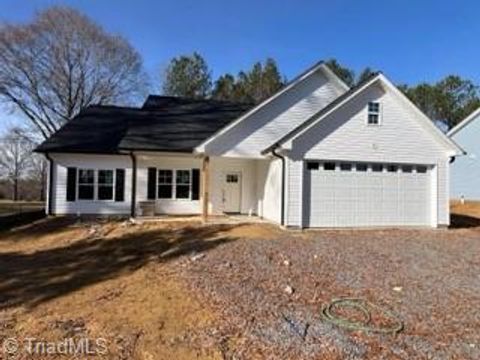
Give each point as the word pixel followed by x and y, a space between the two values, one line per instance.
pixel 86 184
pixel 183 179
pixel 165 184
pixel 373 113
pixel 174 184
pixel 105 184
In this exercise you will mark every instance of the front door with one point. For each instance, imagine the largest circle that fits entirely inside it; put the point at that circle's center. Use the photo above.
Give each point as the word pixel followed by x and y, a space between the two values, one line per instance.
pixel 231 192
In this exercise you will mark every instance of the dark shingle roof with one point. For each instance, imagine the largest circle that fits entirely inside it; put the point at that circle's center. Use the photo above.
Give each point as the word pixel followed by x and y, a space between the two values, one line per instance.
pixel 162 124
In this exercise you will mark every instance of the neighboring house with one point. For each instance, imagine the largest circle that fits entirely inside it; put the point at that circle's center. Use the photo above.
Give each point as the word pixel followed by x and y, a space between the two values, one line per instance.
pixel 316 154
pixel 465 181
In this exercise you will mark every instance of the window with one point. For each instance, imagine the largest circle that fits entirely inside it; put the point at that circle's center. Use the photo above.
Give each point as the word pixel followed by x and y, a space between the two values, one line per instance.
pixel 421 169
pixel 311 165
pixel 392 168
pixel 182 190
pixel 377 167
pixel 86 184
pixel 346 167
pixel 361 167
pixel 232 178
pixel 373 113
pixel 329 166
pixel 105 184
pixel 407 168
pixel 165 184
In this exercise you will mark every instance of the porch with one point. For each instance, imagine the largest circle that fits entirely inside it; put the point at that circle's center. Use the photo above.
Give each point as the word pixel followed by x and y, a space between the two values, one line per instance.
pixel 174 184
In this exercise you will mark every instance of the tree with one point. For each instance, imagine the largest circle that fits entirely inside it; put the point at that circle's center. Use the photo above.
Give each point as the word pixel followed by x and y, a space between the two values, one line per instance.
pixel 345 74
pixel 224 88
pixel 449 100
pixel 15 158
pixel 253 86
pixel 62 62
pixel 188 76
pixel 365 75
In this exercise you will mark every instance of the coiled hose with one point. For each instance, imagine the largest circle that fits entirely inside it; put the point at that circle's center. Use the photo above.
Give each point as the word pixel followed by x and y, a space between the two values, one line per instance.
pixel 365 307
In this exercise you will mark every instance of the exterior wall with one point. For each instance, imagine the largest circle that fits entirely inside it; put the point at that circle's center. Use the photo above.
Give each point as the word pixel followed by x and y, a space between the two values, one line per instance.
pixel 219 167
pixel 104 207
pixel 179 162
pixel 466 169
pixel 252 135
pixel 345 135
pixel 269 189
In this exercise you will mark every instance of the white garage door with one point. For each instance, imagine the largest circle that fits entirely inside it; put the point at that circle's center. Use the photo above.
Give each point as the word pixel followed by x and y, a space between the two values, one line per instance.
pixel 360 194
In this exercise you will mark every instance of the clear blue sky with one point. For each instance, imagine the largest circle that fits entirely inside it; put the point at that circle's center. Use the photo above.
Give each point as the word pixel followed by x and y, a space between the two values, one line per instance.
pixel 410 41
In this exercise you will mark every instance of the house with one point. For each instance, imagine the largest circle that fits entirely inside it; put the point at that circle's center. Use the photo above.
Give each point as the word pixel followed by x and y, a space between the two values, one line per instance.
pixel 315 154
pixel 465 183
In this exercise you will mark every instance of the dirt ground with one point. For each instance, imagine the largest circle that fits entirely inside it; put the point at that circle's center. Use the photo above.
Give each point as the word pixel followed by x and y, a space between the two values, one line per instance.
pixel 182 290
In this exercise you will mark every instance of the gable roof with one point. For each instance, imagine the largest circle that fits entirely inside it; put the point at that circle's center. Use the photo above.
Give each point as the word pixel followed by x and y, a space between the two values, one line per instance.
pixel 324 111
pixel 464 123
pixel 353 92
pixel 162 124
pixel 291 84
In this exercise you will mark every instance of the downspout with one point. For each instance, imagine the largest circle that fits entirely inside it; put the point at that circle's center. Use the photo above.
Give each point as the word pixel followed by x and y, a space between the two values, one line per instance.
pixel 50 184
pixel 282 215
pixel 134 185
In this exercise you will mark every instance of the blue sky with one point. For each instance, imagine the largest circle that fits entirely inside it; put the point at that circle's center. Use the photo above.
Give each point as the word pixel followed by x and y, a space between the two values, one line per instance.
pixel 410 41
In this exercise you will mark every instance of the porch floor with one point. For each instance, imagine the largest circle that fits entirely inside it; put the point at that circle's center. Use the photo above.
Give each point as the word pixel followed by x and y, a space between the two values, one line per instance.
pixel 212 219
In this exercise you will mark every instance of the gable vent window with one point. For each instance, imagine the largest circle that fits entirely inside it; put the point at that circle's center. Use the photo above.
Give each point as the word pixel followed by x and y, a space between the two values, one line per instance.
pixel 373 113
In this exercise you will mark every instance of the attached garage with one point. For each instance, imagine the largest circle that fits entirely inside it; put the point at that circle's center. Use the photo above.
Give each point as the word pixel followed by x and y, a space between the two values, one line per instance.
pixel 349 194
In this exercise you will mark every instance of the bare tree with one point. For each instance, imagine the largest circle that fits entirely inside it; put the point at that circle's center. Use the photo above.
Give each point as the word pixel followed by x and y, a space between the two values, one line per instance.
pixel 62 62
pixel 15 158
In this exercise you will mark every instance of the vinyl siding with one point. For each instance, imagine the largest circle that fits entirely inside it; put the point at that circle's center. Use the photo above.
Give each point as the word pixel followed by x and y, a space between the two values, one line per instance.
pixel 252 135
pixel 344 135
pixel 269 189
pixel 466 169
pixel 110 207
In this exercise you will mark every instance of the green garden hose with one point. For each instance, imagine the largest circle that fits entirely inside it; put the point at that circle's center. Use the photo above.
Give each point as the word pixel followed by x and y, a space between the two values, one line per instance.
pixel 365 307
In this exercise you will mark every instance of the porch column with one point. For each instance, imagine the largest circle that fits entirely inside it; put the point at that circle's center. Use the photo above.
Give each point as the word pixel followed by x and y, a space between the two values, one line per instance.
pixel 205 186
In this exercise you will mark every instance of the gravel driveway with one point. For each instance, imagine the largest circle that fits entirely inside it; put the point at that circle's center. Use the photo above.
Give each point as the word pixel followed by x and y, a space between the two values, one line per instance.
pixel 430 278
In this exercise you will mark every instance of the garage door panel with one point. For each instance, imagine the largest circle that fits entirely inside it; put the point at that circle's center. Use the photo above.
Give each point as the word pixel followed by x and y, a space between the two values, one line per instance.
pixel 340 198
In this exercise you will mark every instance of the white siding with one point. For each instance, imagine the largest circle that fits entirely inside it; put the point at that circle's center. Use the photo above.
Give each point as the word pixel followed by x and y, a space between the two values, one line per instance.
pixel 252 135
pixel 344 135
pixel 269 189
pixel 110 207
pixel 167 206
pixel 294 185
pixel 466 169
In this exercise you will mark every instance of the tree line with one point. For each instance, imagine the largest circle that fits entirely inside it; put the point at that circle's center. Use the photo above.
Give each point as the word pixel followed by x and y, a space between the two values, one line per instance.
pixel 62 61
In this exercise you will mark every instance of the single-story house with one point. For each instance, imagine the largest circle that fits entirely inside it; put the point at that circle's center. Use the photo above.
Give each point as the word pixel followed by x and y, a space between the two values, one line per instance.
pixel 465 170
pixel 315 154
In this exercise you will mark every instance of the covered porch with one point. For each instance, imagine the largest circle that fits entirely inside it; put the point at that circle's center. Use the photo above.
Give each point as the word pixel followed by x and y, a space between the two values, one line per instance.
pixel 201 186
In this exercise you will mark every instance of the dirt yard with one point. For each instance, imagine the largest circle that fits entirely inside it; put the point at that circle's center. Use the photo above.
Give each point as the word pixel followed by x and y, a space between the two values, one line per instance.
pixel 182 290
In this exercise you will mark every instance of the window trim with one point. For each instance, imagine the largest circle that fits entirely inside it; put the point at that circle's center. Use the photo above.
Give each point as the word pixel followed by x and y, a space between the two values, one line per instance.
pixel 96 184
pixel 377 113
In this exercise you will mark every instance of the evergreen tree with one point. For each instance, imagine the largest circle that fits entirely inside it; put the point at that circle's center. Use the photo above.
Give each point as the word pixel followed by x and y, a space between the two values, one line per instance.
pixel 188 76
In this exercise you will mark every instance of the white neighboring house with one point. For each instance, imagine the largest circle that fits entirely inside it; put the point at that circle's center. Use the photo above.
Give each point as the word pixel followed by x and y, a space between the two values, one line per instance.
pixel 316 154
pixel 466 170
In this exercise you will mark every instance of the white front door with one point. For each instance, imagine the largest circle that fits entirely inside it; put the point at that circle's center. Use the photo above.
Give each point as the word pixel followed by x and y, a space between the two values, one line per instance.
pixel 232 183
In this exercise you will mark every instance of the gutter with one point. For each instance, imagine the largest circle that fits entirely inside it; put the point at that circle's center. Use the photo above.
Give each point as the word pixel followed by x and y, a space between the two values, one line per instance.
pixel 50 184
pixel 278 156
pixel 134 185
